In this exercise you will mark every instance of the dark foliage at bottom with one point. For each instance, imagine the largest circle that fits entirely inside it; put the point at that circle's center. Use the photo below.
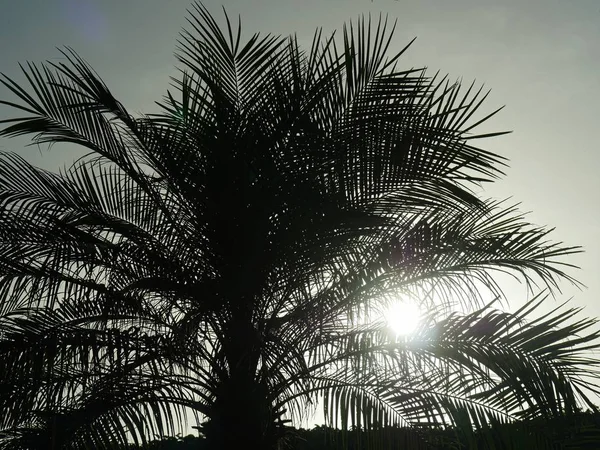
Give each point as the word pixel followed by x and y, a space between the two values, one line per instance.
pixel 576 431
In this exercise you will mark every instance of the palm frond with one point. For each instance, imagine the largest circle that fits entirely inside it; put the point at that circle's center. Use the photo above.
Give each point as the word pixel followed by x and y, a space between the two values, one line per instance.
pixel 471 370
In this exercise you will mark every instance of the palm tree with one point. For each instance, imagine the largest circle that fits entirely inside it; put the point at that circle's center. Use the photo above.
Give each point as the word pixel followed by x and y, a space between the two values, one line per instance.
pixel 216 261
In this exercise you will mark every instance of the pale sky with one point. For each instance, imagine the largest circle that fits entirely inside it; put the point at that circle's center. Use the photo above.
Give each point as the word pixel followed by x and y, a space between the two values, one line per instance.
pixel 541 58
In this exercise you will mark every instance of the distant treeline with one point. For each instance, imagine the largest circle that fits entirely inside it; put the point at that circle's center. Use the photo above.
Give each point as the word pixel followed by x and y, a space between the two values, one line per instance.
pixel 578 431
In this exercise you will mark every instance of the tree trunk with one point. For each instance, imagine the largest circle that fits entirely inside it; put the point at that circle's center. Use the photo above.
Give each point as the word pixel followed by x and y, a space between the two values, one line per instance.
pixel 242 415
pixel 242 418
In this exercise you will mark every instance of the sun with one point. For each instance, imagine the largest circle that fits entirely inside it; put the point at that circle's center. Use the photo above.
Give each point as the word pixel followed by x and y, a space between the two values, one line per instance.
pixel 403 317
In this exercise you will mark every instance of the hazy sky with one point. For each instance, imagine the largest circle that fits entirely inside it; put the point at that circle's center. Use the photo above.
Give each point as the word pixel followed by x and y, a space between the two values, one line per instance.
pixel 541 58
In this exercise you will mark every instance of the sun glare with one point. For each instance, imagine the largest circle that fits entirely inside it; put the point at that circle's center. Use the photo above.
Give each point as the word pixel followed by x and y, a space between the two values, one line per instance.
pixel 403 318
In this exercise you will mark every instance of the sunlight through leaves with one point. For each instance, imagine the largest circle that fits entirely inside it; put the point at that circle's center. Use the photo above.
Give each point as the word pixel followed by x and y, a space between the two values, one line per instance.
pixel 403 317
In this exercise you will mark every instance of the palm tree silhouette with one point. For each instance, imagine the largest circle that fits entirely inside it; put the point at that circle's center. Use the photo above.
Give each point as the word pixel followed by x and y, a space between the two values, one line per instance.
pixel 211 262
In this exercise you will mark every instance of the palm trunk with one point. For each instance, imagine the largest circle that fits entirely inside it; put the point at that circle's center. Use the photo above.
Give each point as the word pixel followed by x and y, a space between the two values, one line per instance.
pixel 242 418
pixel 242 415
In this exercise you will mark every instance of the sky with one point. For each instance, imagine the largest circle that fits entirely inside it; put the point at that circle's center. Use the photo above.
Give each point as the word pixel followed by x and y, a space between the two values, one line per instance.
pixel 541 58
